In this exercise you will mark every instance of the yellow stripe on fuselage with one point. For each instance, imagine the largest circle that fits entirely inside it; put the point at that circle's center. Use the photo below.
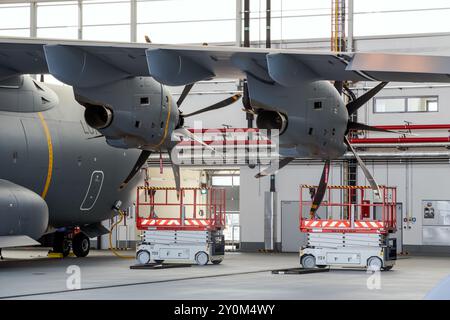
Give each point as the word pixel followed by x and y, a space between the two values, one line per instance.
pixel 50 155
pixel 166 128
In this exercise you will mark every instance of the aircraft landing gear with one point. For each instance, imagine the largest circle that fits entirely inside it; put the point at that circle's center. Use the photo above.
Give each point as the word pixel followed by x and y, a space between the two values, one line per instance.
pixel 81 245
pixel 78 242
pixel 61 243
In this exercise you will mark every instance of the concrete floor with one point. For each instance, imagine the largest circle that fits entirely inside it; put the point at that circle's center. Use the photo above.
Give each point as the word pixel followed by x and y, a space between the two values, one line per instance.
pixel 28 274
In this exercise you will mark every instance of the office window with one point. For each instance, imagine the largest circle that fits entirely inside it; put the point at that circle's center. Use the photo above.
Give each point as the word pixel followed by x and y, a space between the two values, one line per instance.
pixel 223 181
pixel 406 104
pixel 422 104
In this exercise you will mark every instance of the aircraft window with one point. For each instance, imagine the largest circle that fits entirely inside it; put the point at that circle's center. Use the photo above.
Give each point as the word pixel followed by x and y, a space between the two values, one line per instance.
pixel 317 105
pixel 137 124
pixel 333 132
pixel 310 131
pixel 162 124
pixel 144 101
pixel 406 104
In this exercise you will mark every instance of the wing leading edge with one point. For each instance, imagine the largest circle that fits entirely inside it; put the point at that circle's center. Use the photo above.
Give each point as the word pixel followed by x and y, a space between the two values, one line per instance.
pixel 87 63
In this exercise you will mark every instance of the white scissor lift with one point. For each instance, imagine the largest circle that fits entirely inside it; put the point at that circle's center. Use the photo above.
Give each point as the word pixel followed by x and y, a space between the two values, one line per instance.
pixel 353 233
pixel 183 229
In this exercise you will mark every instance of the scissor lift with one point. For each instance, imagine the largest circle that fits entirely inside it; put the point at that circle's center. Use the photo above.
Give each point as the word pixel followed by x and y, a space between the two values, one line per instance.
pixel 351 228
pixel 180 226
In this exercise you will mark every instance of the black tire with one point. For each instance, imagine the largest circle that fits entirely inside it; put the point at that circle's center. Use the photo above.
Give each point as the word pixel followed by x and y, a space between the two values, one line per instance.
pixel 81 245
pixel 387 268
pixel 219 261
pixel 61 244
pixel 159 261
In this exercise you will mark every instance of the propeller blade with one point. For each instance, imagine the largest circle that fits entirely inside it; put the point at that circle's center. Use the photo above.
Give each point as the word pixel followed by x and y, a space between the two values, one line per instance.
pixel 186 133
pixel 246 97
pixel 354 105
pixel 176 174
pixel 369 177
pixel 218 105
pixel 186 90
pixel 339 85
pixel 139 163
pixel 320 192
pixel 349 92
pixel 274 168
pixel 365 127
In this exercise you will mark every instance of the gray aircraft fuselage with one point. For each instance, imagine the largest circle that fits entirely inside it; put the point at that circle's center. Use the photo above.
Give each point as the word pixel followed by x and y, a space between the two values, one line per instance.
pixel 82 183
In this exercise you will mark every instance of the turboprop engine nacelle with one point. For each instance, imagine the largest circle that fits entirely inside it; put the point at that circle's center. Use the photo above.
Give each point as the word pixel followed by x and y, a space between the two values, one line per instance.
pixel 136 112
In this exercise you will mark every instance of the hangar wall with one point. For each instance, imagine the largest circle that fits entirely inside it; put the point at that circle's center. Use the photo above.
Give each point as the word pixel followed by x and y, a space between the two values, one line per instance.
pixel 416 181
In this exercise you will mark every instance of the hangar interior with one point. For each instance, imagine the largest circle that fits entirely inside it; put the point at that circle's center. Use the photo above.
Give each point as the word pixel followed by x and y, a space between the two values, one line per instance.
pixel 418 165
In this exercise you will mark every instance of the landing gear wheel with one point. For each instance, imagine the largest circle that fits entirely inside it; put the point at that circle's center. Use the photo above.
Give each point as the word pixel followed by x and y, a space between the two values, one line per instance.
pixel 201 258
pixel 81 245
pixel 387 268
pixel 143 257
pixel 374 264
pixel 61 244
pixel 308 261
pixel 218 261
pixel 159 261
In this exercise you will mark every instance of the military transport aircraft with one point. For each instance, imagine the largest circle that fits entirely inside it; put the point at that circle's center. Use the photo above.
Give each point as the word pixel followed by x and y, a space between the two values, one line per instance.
pixel 56 178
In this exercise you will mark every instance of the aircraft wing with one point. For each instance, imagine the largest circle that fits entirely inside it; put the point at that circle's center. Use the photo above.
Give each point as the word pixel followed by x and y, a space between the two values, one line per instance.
pixel 92 63
pixel 287 65
pixel 37 56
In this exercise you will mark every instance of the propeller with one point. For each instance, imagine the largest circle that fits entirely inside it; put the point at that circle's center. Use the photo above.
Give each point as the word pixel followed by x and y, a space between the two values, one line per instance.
pixel 180 130
pixel 218 105
pixel 369 177
pixel 320 191
pixel 352 107
pixel 137 166
pixel 274 168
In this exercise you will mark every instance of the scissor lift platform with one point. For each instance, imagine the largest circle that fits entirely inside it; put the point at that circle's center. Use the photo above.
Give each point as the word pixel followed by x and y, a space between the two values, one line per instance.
pixel 190 231
pixel 353 233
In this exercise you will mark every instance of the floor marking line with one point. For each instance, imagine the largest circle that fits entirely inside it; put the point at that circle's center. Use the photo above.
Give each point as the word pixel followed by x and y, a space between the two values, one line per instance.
pixel 132 284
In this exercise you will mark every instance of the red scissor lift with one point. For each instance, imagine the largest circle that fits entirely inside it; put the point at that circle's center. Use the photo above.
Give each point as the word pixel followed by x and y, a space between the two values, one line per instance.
pixel 180 225
pixel 352 227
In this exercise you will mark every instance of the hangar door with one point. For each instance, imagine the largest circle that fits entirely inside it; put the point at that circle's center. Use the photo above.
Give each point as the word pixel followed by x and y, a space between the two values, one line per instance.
pixel 291 237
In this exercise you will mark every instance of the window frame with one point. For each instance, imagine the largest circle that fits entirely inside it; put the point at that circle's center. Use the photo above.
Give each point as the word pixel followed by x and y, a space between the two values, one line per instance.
pixel 405 99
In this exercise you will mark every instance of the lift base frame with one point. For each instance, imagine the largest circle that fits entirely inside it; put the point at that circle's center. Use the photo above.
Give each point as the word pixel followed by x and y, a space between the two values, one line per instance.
pixel 181 246
pixel 350 249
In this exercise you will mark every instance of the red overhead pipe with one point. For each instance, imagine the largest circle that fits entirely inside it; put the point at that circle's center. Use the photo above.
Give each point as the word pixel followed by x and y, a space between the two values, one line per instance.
pixel 402 140
pixel 415 127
